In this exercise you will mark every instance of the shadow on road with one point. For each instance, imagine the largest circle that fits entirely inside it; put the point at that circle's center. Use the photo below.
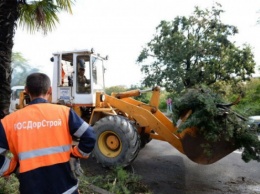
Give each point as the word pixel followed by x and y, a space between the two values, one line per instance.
pixel 163 174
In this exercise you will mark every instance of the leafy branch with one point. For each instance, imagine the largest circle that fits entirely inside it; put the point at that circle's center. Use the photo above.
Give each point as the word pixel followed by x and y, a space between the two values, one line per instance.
pixel 216 121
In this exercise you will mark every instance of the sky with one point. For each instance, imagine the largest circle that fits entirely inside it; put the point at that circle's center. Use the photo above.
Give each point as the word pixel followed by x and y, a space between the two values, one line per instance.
pixel 121 28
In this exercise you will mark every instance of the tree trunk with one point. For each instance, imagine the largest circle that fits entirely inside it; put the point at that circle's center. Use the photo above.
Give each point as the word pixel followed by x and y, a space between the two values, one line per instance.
pixel 8 19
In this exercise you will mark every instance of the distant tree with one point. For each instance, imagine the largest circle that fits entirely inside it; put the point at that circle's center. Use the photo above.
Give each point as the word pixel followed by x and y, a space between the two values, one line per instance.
pixel 145 96
pixel 20 69
pixel 38 15
pixel 250 102
pixel 195 50
pixel 115 89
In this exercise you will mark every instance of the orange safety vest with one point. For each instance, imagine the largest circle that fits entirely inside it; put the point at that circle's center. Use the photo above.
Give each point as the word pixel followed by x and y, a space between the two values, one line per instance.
pixel 38 135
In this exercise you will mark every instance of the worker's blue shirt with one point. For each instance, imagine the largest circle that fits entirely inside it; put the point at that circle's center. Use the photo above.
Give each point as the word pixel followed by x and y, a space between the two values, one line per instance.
pixel 54 179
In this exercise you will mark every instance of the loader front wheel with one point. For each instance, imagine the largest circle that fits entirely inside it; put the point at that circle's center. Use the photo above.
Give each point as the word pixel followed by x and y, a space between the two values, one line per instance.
pixel 118 141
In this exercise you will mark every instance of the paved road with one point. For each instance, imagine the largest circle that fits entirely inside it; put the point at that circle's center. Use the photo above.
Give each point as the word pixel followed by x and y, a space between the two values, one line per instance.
pixel 166 171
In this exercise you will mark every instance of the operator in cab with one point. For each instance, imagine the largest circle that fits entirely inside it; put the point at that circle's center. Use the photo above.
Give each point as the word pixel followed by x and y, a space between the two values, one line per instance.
pixel 82 81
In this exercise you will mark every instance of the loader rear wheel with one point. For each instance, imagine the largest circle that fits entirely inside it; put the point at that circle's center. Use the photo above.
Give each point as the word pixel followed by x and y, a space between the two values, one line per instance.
pixel 118 142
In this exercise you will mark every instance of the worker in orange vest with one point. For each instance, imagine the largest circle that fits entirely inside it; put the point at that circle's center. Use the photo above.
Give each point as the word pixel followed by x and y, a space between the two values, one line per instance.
pixel 39 137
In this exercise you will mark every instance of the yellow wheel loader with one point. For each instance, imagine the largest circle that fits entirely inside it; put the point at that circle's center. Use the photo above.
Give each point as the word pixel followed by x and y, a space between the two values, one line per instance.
pixel 123 125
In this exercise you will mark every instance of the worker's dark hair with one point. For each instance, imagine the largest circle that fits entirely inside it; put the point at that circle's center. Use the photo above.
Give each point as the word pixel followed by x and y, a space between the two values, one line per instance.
pixel 38 84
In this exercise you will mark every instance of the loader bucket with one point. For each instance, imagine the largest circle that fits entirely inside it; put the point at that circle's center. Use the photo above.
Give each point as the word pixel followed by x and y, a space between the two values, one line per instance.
pixel 193 146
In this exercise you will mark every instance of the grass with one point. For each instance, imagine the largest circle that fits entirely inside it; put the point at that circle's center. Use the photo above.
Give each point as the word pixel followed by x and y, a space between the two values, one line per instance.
pixel 119 181
pixel 116 181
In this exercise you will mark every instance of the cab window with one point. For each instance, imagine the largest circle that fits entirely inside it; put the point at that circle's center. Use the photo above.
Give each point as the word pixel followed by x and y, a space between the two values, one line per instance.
pixel 83 75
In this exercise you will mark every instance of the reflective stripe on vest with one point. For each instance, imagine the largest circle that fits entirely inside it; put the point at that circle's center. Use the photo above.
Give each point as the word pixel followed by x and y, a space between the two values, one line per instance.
pixel 39 135
pixel 5 166
pixel 71 190
pixel 81 129
pixel 43 152
pixel 2 150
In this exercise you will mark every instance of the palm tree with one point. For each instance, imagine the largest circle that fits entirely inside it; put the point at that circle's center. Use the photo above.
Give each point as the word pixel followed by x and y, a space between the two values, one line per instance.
pixel 35 15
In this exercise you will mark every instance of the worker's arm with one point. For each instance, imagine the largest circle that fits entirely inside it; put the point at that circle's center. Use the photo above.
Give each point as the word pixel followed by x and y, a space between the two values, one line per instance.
pixel 7 165
pixel 85 133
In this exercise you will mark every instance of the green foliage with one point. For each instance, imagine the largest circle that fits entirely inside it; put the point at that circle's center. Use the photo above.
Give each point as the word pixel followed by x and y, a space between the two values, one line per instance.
pixel 119 181
pixel 115 89
pixel 250 102
pixel 9 185
pixel 163 104
pixel 21 69
pixel 249 91
pixel 116 181
pixel 144 97
pixel 216 121
pixel 251 145
pixel 42 15
pixel 195 50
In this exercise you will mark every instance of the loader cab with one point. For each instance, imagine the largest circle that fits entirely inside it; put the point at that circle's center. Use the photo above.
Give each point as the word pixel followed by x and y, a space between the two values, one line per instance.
pixel 77 76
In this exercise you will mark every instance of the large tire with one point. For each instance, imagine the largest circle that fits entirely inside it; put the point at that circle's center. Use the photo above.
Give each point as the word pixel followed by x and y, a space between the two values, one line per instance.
pixel 118 141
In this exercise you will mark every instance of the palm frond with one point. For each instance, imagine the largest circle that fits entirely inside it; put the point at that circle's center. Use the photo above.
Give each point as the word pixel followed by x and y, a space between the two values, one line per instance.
pixel 42 15
pixel 65 5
